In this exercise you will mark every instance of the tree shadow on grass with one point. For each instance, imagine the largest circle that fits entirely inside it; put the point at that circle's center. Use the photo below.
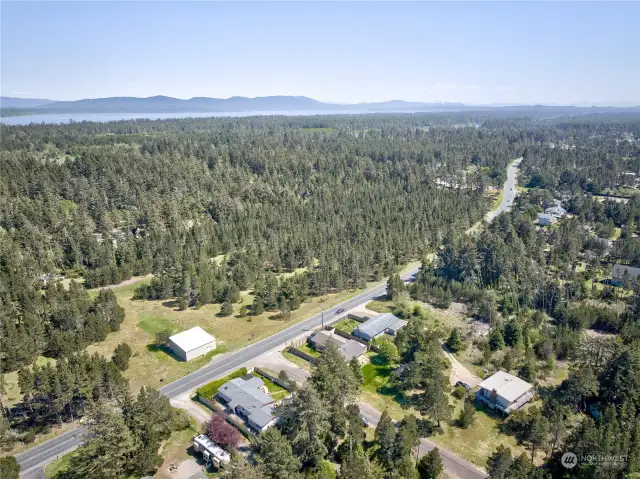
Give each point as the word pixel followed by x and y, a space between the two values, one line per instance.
pixel 172 303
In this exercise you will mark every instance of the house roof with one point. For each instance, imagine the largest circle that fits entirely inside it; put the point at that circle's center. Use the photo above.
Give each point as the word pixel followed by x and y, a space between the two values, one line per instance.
pixel 545 216
pixel 352 349
pixel 506 385
pixel 618 271
pixel 322 337
pixel 380 323
pixel 556 210
pixel 192 339
pixel 245 392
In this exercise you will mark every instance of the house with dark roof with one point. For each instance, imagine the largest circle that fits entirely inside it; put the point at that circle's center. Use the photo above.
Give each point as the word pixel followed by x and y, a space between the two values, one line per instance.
pixel 348 347
pixel 626 275
pixel 248 398
pixel 380 324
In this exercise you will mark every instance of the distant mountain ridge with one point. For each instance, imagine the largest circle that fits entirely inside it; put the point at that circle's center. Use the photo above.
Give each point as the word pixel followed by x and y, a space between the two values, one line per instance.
pixel 12 102
pixel 166 104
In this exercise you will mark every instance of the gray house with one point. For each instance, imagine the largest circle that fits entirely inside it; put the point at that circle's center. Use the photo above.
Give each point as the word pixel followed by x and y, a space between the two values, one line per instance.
pixel 625 274
pixel 247 397
pixel 348 347
pixel 385 323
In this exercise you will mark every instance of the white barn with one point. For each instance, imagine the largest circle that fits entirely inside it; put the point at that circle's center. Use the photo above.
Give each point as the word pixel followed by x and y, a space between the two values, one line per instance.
pixel 192 343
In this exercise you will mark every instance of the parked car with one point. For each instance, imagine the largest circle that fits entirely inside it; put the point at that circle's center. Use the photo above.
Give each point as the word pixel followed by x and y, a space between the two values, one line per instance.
pixel 340 311
pixel 365 421
pixel 463 384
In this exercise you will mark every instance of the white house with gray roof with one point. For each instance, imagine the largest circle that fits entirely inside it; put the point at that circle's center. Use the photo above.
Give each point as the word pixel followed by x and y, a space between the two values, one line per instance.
pixel 504 392
pixel 380 324
pixel 248 398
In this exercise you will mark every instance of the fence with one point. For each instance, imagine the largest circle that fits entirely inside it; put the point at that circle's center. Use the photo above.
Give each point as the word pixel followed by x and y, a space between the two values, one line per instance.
pixel 357 318
pixel 300 354
pixel 216 407
pixel 274 379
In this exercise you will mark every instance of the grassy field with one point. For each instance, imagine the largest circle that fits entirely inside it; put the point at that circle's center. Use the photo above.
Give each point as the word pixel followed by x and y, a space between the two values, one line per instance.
pixel 475 444
pixel 144 318
pixel 375 389
pixel 480 440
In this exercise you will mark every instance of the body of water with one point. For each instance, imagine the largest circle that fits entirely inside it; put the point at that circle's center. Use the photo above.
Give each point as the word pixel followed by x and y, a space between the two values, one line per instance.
pixel 54 118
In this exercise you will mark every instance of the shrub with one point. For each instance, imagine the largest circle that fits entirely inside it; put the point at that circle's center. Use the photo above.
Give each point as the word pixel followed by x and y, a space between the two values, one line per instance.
pixel 220 432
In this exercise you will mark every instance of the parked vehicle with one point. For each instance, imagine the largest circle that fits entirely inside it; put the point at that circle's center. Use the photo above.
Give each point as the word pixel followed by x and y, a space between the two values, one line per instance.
pixel 365 421
pixel 463 384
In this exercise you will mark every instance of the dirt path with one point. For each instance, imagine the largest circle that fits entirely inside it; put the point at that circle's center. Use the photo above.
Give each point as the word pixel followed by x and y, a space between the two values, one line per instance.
pixel 460 372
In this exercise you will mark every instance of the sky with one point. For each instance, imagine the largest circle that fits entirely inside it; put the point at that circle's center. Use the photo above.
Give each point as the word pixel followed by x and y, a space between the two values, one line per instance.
pixel 475 53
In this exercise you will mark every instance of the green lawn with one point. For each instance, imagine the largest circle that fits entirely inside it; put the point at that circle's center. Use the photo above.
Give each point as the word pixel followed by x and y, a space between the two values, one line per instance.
pixel 377 392
pixel 305 348
pixel 347 325
pixel 277 392
pixel 480 440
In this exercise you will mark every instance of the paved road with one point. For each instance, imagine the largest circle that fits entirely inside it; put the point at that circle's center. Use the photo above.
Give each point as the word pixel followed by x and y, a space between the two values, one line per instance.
pixel 509 191
pixel 33 460
pixel 40 455
pixel 450 462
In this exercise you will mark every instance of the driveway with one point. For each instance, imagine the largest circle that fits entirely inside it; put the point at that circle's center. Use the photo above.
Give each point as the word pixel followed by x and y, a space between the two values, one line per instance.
pixel 460 372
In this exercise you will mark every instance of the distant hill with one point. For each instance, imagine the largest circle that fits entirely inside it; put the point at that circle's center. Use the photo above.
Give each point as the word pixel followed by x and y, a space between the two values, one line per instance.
pixel 12 102
pixel 165 104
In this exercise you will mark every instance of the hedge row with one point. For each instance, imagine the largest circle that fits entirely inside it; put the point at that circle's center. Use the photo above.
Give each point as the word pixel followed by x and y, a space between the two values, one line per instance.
pixel 209 390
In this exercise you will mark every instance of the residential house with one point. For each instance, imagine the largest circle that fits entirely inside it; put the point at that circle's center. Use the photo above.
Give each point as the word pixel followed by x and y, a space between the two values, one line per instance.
pixel 211 452
pixel 249 399
pixel 504 392
pixel 348 347
pixel 624 274
pixel 380 324
pixel 545 219
pixel 192 343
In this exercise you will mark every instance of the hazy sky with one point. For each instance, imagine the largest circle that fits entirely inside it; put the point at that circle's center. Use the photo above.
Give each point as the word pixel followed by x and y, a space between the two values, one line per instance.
pixel 566 53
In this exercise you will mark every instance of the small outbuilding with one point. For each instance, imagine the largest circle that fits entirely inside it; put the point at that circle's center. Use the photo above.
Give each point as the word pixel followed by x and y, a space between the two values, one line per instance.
pixel 192 343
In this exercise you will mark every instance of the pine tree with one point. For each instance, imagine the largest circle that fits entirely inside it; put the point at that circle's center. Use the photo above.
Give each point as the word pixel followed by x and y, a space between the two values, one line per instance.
pixel 455 342
pixel 121 356
pixel 467 415
pixel 109 446
pixel 226 309
pixel 385 436
pixel 499 462
pixel 274 455
pixel 9 468
pixel 430 465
